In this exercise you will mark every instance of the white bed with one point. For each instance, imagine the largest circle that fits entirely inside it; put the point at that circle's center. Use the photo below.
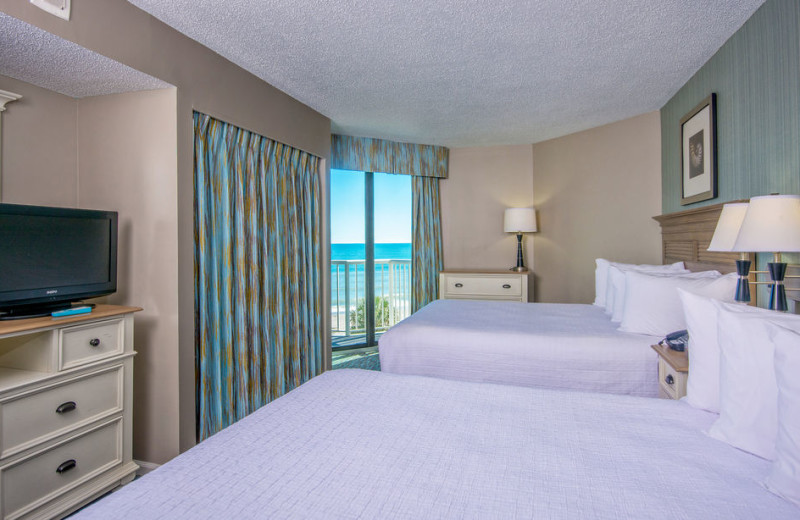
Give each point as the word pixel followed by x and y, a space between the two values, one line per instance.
pixel 562 346
pixel 362 444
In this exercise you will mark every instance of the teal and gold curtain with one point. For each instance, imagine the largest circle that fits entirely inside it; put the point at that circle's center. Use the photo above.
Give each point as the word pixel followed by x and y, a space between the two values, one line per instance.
pixel 427 164
pixel 426 241
pixel 364 154
pixel 257 271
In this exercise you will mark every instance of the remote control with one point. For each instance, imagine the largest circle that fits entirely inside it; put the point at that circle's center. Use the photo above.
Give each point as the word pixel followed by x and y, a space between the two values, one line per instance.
pixel 72 312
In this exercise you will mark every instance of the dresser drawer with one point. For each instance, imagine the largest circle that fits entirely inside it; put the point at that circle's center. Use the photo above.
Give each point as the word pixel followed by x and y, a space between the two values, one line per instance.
pixel 32 481
pixel 484 286
pixel 36 416
pixel 81 344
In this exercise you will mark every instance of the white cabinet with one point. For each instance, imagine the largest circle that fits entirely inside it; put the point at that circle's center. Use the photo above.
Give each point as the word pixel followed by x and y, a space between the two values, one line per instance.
pixel 483 285
pixel 65 411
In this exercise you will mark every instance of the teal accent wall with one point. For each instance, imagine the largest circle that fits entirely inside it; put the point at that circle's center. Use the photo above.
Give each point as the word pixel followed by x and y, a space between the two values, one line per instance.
pixel 756 76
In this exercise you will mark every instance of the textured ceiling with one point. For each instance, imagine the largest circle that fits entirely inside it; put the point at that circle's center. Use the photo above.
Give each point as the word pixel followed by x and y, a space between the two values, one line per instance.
pixel 35 56
pixel 460 72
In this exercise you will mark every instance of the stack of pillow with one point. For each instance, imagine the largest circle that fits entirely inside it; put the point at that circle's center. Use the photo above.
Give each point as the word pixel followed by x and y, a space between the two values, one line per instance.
pixel 744 363
pixel 644 299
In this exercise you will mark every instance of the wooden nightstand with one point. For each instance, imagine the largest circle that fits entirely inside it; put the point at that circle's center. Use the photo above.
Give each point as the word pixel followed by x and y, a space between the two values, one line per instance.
pixel 673 371
pixel 483 285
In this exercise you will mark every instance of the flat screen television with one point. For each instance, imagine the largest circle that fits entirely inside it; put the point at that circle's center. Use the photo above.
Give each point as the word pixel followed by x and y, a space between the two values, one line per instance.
pixel 52 257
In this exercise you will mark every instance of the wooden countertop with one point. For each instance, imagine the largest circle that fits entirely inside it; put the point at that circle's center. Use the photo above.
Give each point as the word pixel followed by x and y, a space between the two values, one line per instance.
pixel 101 311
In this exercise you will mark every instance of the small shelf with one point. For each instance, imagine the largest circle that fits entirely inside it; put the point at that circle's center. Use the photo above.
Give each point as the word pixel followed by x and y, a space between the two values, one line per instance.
pixel 14 377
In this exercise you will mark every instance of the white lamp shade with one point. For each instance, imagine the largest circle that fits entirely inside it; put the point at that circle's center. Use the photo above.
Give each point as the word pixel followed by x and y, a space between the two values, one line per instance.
pixel 728 226
pixel 771 224
pixel 520 220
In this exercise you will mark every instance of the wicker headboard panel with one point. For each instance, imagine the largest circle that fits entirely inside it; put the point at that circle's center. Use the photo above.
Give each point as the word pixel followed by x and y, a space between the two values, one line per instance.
pixel 685 236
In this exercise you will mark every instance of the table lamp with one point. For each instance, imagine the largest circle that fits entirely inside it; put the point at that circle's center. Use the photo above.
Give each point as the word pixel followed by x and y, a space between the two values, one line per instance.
pixel 772 225
pixel 519 221
pixel 724 239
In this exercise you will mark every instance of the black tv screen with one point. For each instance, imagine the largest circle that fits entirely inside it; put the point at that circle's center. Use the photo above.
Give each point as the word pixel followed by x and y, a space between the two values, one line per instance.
pixel 51 256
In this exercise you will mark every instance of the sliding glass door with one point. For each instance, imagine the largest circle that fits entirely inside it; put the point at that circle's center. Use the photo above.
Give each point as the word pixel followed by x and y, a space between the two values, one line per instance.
pixel 370 255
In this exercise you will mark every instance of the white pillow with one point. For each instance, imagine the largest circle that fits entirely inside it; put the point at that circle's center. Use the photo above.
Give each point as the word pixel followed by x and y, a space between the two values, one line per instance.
pixel 784 479
pixel 615 290
pixel 600 281
pixel 702 387
pixel 601 276
pixel 652 304
pixel 748 392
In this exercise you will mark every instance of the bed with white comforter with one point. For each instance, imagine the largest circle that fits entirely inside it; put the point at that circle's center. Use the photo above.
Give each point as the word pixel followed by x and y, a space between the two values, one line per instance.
pixel 364 445
pixel 547 345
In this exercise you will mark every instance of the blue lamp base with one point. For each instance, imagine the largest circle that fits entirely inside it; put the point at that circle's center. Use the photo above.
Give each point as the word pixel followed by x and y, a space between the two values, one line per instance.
pixel 743 283
pixel 777 294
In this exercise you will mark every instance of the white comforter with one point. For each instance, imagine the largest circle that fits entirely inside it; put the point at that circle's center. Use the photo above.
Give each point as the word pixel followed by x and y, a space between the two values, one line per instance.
pixel 547 345
pixel 368 445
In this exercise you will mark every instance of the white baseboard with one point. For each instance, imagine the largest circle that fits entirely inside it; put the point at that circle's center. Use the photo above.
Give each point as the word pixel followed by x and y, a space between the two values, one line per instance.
pixel 145 467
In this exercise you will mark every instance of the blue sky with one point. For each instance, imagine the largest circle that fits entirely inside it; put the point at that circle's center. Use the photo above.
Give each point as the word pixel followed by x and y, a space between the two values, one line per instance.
pixel 392 207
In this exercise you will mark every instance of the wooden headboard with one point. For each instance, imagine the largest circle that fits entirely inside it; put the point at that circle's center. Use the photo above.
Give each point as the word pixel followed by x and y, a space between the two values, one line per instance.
pixel 685 236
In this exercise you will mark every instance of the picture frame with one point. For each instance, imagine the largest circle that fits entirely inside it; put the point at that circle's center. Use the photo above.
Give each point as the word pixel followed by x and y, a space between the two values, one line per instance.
pixel 699 152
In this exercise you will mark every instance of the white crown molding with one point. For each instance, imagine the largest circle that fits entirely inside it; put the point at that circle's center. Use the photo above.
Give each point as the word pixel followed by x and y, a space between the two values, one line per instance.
pixel 61 8
pixel 7 97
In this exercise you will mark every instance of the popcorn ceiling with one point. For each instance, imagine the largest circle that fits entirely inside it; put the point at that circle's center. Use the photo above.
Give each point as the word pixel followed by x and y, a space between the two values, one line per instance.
pixel 462 73
pixel 449 72
pixel 35 56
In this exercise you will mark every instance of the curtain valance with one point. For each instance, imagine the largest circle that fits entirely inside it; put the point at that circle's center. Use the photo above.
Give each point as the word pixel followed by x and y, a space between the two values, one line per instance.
pixel 379 155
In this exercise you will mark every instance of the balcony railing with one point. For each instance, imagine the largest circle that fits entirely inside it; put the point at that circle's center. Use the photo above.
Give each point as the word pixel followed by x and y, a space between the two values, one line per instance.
pixel 392 295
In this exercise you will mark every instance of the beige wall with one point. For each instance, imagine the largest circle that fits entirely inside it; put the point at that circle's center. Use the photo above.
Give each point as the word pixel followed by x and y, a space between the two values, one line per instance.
pixel 595 192
pixel 39 147
pixel 116 153
pixel 126 149
pixel 482 183
pixel 205 82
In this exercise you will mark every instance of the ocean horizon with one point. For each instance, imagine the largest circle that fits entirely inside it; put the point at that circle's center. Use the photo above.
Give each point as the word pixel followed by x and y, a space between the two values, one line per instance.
pixel 383 251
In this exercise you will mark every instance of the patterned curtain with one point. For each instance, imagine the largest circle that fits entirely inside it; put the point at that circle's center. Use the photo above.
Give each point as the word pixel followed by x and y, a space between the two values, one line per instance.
pixel 257 271
pixel 364 154
pixel 426 241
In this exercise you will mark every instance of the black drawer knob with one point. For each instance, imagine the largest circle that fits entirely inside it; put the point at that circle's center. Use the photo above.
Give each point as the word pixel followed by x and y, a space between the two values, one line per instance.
pixel 670 380
pixel 459 285
pixel 506 286
pixel 66 466
pixel 94 342
pixel 66 407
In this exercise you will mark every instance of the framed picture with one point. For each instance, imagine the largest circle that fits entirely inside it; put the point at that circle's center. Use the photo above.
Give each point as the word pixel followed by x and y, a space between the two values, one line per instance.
pixel 699 152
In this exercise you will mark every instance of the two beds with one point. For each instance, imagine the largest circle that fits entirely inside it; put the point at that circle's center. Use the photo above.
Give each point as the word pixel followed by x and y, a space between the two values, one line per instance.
pixel 362 444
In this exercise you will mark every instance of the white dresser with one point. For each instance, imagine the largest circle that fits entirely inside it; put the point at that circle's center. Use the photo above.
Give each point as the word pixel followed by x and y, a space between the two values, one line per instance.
pixel 483 285
pixel 65 411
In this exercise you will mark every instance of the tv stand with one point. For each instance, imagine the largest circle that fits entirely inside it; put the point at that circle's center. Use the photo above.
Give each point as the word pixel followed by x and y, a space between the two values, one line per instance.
pixel 66 397
pixel 38 311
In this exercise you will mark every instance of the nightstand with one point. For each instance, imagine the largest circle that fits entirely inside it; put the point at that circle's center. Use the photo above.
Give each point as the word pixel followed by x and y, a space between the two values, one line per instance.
pixel 673 371
pixel 483 285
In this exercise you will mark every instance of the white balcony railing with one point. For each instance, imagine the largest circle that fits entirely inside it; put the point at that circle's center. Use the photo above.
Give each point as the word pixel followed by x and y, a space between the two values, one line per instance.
pixel 392 295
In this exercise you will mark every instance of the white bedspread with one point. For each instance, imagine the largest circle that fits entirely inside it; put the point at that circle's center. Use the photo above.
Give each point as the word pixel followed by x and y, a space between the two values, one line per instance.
pixel 367 445
pixel 547 345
